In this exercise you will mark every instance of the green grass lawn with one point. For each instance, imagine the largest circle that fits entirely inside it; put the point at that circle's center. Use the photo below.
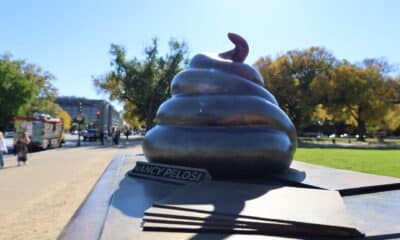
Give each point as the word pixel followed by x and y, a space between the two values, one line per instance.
pixel 381 162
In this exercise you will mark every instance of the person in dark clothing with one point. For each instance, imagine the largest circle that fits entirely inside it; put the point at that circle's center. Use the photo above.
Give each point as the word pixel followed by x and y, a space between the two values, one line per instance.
pixel 113 135
pixel 102 137
pixel 21 149
pixel 117 136
pixel 127 133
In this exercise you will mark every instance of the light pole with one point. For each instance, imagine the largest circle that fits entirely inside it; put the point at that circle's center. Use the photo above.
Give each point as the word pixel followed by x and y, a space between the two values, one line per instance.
pixel 100 126
pixel 104 119
pixel 79 119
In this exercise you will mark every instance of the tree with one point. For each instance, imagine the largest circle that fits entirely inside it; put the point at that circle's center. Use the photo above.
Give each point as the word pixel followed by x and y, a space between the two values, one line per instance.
pixel 43 105
pixel 130 117
pixel 391 121
pixel 44 101
pixel 289 76
pixel 396 86
pixel 143 84
pixel 17 86
pixel 66 119
pixel 25 89
pixel 357 93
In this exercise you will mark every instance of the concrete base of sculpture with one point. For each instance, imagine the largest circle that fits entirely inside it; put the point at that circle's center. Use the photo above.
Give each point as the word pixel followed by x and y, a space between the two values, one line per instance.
pixel 115 207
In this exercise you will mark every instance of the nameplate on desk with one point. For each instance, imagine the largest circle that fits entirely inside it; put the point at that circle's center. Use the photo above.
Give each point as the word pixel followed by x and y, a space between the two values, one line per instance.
pixel 169 173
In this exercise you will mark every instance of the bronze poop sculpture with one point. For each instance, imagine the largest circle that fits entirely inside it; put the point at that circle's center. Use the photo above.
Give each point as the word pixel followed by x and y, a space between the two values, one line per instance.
pixel 221 118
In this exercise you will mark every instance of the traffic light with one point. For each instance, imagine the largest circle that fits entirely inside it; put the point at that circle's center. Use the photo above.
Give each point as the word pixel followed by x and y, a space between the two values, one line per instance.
pixel 98 114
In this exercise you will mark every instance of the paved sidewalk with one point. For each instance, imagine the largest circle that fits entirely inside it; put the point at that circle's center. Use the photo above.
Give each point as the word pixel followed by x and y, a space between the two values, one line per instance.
pixel 36 201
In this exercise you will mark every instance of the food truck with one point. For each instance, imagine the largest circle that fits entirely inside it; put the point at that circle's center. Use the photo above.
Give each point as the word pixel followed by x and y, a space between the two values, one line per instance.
pixel 44 132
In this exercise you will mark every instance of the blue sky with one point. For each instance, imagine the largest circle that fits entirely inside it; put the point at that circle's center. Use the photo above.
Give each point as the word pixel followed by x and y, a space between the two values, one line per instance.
pixel 71 39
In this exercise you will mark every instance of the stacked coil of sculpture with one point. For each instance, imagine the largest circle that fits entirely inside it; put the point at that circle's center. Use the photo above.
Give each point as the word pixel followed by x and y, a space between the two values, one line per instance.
pixel 221 118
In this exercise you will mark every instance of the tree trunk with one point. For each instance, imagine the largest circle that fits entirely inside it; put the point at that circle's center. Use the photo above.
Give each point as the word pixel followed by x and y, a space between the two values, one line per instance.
pixel 361 130
pixel 149 117
pixel 149 122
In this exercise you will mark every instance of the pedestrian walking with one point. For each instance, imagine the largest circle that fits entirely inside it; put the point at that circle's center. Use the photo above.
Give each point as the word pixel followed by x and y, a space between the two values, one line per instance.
pixel 113 135
pixel 3 149
pixel 21 149
pixel 127 133
pixel 102 137
pixel 117 136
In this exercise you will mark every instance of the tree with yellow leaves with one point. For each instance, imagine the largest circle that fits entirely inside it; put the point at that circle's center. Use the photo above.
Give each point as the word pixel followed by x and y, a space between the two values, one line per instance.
pixel 66 118
pixel 361 93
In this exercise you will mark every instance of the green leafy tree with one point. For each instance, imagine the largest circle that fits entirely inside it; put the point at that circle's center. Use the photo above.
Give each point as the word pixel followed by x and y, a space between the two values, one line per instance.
pixel 130 117
pixel 44 101
pixel 289 76
pixel 17 86
pixel 143 84
pixel 43 105
pixel 25 89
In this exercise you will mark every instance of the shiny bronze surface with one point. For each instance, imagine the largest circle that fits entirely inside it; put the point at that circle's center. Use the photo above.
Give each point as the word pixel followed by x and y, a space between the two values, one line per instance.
pixel 241 50
pixel 221 118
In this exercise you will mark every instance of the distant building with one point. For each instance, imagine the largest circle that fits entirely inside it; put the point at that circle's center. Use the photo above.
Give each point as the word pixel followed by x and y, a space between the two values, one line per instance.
pixel 108 116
